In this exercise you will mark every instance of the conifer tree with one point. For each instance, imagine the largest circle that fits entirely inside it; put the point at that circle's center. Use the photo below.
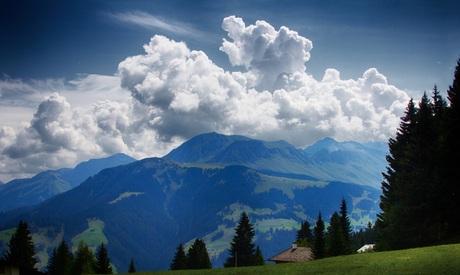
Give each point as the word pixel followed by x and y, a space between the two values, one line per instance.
pixel 197 256
pixel 21 250
pixel 304 235
pixel 179 261
pixel 452 153
pixel 51 265
pixel 84 261
pixel 318 248
pixel 393 189
pixel 60 261
pixel 346 228
pixel 259 257
pixel 102 261
pixel 132 267
pixel 242 250
pixel 335 243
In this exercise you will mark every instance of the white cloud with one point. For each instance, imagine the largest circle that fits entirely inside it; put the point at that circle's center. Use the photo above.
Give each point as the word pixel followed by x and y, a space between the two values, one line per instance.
pixel 171 93
pixel 268 54
pixel 149 21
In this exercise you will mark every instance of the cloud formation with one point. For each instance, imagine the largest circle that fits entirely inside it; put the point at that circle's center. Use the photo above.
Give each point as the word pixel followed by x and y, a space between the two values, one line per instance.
pixel 172 93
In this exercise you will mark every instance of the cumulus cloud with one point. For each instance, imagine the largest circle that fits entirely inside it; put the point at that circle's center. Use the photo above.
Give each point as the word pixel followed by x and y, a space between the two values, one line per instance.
pixel 185 93
pixel 170 93
pixel 266 53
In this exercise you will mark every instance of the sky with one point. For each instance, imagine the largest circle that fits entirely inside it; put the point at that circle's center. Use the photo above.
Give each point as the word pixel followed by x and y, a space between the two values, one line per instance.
pixel 87 79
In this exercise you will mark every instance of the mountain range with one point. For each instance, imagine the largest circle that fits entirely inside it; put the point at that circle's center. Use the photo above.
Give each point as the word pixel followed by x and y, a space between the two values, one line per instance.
pixel 144 209
pixel 31 191
pixel 327 159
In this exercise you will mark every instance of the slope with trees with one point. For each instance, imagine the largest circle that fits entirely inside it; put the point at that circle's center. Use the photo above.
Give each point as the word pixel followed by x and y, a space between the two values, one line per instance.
pixel 419 199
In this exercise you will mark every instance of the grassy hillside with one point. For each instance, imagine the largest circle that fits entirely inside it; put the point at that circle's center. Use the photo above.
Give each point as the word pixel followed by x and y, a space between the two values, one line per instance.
pixel 444 259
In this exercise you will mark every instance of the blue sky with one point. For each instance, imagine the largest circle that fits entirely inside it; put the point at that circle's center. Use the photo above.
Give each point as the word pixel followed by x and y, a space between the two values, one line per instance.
pixel 414 43
pixel 87 79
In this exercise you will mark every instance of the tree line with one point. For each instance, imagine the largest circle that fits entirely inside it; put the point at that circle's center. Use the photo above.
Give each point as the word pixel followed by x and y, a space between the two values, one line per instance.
pixel 420 199
pixel 337 239
pixel 243 251
pixel 21 253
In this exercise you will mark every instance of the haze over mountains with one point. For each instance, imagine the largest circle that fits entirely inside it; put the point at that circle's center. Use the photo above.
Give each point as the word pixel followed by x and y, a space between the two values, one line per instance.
pixel 144 209
pixel 327 159
pixel 26 192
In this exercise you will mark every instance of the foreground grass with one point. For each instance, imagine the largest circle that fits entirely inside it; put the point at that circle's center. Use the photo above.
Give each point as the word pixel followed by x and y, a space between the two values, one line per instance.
pixel 444 259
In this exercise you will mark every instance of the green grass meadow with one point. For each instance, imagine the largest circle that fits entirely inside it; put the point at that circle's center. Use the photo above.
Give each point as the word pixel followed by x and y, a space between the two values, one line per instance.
pixel 444 259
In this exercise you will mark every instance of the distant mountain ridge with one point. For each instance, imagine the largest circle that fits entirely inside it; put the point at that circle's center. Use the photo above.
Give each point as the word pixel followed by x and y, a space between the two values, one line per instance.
pixel 327 159
pixel 30 191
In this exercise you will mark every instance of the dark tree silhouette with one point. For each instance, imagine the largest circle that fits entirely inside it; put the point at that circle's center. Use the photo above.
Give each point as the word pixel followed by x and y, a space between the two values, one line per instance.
pixel 179 261
pixel 132 267
pixel 242 250
pixel 346 228
pixel 335 243
pixel 304 235
pixel 318 248
pixel 102 261
pixel 21 250
pixel 420 192
pixel 197 256
pixel 84 261
pixel 61 260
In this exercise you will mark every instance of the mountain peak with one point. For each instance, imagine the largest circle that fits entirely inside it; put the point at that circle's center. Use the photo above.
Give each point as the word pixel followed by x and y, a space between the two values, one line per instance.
pixel 326 143
pixel 203 147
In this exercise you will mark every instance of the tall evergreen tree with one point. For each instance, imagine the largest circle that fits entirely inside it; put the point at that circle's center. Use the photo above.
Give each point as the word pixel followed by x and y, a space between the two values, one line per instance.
pixel 304 235
pixel 346 228
pixel 51 265
pixel 84 261
pixel 132 266
pixel 60 261
pixel 452 151
pixel 102 261
pixel 393 186
pixel 335 243
pixel 318 248
pixel 179 261
pixel 422 178
pixel 242 250
pixel 21 250
pixel 197 256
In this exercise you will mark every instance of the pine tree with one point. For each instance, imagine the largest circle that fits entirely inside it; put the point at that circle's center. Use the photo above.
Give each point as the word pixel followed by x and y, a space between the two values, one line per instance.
pixel 21 250
pixel 304 235
pixel 179 261
pixel 132 267
pixel 242 250
pixel 452 151
pixel 335 243
pixel 102 261
pixel 51 265
pixel 392 201
pixel 259 257
pixel 414 192
pixel 346 228
pixel 84 262
pixel 60 261
pixel 424 222
pixel 197 256
pixel 318 248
